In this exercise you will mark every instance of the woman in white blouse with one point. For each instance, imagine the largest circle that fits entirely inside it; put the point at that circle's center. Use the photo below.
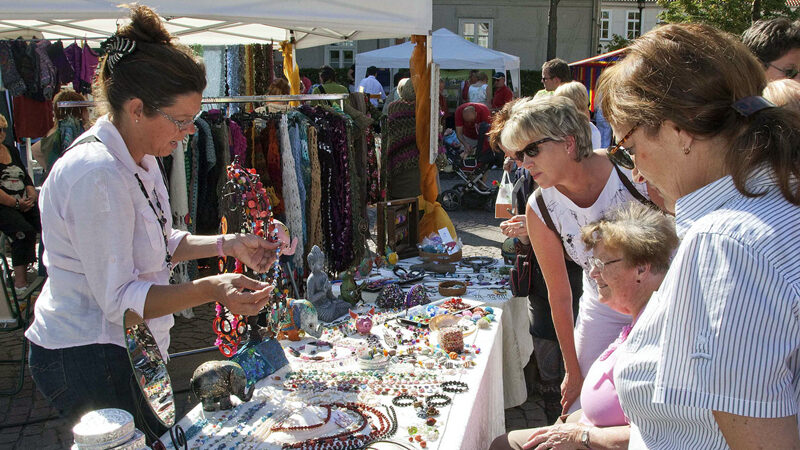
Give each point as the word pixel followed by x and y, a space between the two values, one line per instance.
pixel 108 232
pixel 714 360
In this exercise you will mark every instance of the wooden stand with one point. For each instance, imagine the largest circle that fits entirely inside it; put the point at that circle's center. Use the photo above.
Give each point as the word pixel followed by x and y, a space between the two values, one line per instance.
pixel 398 222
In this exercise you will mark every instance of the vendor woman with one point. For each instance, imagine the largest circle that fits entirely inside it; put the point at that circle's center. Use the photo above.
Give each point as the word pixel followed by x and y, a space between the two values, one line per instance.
pixel 108 232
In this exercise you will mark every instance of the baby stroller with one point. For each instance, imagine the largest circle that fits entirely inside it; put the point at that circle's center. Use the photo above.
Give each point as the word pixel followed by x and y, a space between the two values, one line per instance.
pixel 473 192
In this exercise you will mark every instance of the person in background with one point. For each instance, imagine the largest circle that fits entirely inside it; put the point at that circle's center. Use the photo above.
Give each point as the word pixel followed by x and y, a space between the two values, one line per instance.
pixel 69 123
pixel 577 92
pixel 19 212
pixel 784 93
pixel 305 84
pixel 444 109
pixel 502 94
pixel 279 86
pixel 714 359
pixel 107 225
pixel 632 247
pixel 370 85
pixel 394 95
pixel 465 85
pixel 351 79
pixel 477 91
pixel 472 124
pixel 554 73
pixel 606 134
pixel 776 43
pixel 328 85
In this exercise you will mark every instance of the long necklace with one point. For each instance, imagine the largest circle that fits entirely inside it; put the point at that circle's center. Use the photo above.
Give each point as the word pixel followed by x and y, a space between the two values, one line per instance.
pixel 162 220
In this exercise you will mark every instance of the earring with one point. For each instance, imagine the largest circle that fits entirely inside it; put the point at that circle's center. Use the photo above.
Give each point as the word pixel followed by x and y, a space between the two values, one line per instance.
pixel 686 150
pixel 137 120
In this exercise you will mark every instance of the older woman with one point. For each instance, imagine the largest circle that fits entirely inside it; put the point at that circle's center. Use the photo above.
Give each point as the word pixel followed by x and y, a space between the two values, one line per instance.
pixel 576 91
pixel 108 230
pixel 714 360
pixel 577 186
pixel 632 249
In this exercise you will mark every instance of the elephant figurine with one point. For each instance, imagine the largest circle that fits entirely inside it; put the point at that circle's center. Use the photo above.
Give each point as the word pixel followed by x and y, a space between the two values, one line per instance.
pixel 302 316
pixel 213 382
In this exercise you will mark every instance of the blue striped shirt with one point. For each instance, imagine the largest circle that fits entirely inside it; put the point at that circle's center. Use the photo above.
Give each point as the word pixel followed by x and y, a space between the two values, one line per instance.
pixel 723 331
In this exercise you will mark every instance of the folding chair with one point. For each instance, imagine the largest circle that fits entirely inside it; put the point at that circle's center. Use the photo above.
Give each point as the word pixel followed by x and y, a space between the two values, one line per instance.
pixel 15 312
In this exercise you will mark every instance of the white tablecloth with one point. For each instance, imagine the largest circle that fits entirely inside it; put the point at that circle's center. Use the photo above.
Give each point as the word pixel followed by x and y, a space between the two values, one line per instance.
pixel 472 421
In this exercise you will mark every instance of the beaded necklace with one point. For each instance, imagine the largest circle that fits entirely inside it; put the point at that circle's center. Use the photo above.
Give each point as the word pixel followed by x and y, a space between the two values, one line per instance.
pixel 162 220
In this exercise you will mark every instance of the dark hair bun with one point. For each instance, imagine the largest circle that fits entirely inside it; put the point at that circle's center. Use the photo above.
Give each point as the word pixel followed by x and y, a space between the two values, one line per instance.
pixel 145 26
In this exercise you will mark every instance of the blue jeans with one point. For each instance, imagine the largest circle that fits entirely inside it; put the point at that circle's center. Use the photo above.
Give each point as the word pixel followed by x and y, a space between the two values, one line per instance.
pixel 77 380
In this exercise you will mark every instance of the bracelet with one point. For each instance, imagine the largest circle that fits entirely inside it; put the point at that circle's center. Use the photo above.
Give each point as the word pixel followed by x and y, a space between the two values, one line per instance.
pixel 455 387
pixel 17 203
pixel 438 400
pixel 403 400
pixel 452 288
pixel 220 241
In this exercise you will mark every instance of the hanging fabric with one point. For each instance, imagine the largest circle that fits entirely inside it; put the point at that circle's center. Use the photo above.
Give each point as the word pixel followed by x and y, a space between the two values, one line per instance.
pixel 214 60
pixel 290 68
pixel 435 218
pixel 291 194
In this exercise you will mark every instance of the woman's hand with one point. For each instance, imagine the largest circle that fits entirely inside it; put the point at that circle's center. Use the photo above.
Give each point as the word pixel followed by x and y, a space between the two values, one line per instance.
pixel 570 389
pixel 25 204
pixel 253 251
pixel 240 294
pixel 565 436
pixel 516 227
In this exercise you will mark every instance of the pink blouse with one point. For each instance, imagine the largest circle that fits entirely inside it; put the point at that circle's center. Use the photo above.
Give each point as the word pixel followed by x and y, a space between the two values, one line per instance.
pixel 599 399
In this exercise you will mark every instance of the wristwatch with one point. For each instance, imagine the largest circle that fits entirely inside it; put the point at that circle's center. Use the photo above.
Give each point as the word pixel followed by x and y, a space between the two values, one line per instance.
pixel 17 203
pixel 585 438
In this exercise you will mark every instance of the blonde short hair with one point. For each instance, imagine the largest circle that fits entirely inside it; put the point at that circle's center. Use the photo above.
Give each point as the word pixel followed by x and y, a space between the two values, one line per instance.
pixel 3 121
pixel 644 235
pixel 784 93
pixel 555 117
pixel 576 92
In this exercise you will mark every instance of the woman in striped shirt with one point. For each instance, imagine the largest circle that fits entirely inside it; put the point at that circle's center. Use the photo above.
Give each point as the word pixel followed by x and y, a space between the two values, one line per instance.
pixel 714 360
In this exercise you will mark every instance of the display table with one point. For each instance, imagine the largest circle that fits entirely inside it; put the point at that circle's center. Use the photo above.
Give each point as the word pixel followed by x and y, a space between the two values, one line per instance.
pixel 472 420
pixel 517 341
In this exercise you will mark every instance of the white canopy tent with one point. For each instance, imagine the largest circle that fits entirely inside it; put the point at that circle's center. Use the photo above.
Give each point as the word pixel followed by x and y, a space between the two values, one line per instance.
pixel 450 51
pixel 229 22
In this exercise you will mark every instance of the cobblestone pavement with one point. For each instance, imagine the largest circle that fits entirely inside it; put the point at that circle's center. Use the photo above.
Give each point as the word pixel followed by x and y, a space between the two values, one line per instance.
pixel 27 421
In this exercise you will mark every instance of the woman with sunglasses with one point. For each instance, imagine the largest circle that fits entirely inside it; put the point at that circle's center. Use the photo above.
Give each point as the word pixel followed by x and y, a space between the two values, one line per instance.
pixel 107 227
pixel 714 360
pixel 577 186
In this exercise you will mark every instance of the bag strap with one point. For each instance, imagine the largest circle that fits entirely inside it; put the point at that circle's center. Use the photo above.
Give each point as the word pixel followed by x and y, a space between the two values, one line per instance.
pixel 548 220
pixel 321 89
pixel 631 188
pixel 87 140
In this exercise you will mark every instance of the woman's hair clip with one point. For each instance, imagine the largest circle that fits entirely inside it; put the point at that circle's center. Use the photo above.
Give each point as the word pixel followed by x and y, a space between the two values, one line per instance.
pixel 116 47
pixel 750 105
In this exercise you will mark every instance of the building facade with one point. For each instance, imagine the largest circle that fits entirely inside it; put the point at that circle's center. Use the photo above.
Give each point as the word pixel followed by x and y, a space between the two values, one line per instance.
pixel 621 17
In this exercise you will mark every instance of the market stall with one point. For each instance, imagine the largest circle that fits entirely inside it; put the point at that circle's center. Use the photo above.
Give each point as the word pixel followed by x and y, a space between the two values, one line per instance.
pixel 588 70
pixel 450 51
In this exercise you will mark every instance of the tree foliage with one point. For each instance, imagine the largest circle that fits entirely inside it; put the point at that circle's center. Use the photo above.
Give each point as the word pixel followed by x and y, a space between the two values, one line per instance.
pixel 733 16
pixel 617 42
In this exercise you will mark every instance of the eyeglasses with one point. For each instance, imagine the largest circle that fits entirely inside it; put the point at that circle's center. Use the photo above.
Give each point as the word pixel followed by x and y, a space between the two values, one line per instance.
pixel 621 155
pixel 601 265
pixel 532 149
pixel 788 73
pixel 181 124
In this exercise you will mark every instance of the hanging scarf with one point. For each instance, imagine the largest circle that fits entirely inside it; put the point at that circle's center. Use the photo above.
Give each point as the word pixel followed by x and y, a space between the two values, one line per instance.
pixel 291 195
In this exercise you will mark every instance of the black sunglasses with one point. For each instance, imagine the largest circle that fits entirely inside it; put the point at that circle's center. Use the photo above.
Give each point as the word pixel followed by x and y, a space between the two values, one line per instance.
pixel 788 73
pixel 620 155
pixel 532 149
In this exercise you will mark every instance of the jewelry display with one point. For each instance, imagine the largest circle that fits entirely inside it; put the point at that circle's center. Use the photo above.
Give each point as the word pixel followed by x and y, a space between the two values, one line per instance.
pixel 452 288
pixel 477 262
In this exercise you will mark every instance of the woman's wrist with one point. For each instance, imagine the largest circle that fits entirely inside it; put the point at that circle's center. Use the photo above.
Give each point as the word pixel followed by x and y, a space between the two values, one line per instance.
pixel 227 243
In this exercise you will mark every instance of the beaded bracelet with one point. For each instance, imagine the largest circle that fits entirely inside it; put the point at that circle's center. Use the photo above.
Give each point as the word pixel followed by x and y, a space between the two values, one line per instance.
pixel 403 400
pixel 438 400
pixel 456 387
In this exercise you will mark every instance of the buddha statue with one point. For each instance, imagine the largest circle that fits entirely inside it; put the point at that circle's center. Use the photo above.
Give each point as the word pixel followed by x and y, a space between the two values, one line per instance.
pixel 318 289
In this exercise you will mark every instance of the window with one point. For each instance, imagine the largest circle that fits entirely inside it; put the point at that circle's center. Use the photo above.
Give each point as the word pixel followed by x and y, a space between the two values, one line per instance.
pixel 340 55
pixel 632 25
pixel 478 31
pixel 605 24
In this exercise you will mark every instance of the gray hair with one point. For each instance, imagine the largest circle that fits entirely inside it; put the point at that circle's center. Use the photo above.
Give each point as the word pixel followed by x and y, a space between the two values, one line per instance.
pixel 642 234
pixel 406 90
pixel 555 117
